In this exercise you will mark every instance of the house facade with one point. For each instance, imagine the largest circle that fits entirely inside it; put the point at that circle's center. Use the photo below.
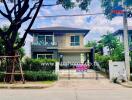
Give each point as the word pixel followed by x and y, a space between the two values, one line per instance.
pixel 119 35
pixel 63 43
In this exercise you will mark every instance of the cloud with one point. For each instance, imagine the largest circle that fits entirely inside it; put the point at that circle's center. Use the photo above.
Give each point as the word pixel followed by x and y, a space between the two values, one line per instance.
pixel 98 24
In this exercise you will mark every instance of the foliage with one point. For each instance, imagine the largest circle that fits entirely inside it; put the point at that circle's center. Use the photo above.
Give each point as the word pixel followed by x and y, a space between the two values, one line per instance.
pixel 115 47
pixel 1 77
pixel 91 44
pixel 21 51
pixel 97 46
pixel 2 49
pixel 68 4
pixel 40 76
pixel 108 6
pixel 116 51
pixel 39 64
pixel 103 60
pixel 117 54
pixel 35 76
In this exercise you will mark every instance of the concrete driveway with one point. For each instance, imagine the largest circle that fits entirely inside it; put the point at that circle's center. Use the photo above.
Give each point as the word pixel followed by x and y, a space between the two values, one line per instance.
pixel 72 90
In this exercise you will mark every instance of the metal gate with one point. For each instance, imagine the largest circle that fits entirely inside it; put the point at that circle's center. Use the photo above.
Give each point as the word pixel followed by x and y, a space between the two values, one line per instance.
pixel 78 71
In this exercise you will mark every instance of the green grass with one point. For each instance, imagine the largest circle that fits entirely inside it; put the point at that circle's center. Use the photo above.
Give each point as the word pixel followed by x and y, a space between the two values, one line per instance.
pixel 48 82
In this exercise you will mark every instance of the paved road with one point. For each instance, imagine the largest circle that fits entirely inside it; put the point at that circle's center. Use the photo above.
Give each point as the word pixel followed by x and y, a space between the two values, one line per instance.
pixel 71 90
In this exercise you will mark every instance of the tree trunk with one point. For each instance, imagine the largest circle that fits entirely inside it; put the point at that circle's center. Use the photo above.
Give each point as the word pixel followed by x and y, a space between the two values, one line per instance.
pixel 9 61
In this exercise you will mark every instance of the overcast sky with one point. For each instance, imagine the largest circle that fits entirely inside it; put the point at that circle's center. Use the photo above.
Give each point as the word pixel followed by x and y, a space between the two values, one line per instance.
pixel 98 24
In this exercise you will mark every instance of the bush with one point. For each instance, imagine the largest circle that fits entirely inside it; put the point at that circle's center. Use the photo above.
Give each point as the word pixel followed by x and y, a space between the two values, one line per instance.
pixel 103 60
pixel 39 64
pixel 40 76
pixel 35 76
pixel 1 77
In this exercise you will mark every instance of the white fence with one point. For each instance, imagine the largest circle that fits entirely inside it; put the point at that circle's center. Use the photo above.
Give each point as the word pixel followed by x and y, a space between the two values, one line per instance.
pixel 117 70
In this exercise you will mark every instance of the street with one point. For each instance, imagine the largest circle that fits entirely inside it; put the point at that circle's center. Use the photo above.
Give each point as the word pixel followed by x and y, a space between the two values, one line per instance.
pixel 71 90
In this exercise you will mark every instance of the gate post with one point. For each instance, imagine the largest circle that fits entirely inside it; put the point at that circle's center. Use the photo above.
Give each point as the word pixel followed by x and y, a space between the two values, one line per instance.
pixel 57 68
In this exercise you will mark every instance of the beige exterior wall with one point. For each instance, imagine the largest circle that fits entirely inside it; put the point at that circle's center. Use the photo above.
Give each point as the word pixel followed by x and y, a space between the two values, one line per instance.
pixel 64 41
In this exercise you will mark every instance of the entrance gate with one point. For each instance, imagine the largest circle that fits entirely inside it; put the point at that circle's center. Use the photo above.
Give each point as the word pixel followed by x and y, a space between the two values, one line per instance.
pixel 78 71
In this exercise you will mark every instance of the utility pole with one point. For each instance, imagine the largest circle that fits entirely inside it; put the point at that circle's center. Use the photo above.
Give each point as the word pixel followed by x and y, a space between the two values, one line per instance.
pixel 126 46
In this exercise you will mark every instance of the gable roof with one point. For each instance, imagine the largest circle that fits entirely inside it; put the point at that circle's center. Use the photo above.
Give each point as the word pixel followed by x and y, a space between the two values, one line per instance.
pixel 59 29
pixel 120 31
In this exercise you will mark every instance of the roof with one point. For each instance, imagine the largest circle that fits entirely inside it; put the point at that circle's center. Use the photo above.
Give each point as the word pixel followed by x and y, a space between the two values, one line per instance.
pixel 59 29
pixel 120 31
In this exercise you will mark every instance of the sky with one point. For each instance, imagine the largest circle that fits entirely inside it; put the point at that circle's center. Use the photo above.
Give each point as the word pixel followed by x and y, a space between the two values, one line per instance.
pixel 97 24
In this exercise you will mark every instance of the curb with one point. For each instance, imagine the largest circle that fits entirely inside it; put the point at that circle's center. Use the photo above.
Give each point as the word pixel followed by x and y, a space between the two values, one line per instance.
pixel 126 85
pixel 26 86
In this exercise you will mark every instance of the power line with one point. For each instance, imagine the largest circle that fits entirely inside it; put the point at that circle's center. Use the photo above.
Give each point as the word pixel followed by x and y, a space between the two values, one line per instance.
pixel 49 5
pixel 73 15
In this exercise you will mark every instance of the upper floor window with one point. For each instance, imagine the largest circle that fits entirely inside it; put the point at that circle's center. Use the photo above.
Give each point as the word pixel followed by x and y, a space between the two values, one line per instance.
pixel 45 40
pixel 75 40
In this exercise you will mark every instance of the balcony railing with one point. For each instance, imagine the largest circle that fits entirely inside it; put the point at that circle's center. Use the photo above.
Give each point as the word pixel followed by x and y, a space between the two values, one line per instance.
pixel 42 47
pixel 48 44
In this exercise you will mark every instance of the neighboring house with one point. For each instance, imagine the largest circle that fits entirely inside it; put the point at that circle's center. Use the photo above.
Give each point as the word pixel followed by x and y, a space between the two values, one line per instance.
pixel 119 35
pixel 62 43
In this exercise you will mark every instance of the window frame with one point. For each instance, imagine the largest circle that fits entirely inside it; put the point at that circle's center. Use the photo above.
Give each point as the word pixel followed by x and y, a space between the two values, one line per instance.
pixel 74 43
pixel 45 39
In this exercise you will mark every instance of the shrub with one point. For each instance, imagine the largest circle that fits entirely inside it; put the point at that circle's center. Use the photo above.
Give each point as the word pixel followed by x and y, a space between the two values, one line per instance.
pixel 1 77
pixel 39 64
pixel 35 76
pixel 102 60
pixel 40 76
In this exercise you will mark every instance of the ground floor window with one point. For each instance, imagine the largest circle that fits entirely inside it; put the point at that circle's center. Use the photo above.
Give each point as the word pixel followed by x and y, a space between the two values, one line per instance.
pixel 44 56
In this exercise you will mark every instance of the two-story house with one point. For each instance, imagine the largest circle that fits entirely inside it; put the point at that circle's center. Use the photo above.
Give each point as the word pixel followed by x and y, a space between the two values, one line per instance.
pixel 63 43
pixel 119 35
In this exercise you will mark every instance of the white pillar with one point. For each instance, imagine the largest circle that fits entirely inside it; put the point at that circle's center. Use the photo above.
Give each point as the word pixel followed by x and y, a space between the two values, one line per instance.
pixel 82 57
pixel 57 68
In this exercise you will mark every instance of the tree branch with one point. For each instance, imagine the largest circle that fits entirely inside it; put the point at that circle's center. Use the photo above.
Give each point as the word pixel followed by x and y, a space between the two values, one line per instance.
pixel 18 16
pixel 28 15
pixel 5 4
pixel 24 8
pixel 17 5
pixel 6 16
pixel 30 25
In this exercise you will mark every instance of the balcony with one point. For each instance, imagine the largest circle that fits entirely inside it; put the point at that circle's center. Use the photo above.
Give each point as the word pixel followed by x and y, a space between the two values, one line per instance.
pixel 42 47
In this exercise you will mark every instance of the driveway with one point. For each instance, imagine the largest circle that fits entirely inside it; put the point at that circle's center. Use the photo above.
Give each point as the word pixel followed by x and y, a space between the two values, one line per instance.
pixel 89 89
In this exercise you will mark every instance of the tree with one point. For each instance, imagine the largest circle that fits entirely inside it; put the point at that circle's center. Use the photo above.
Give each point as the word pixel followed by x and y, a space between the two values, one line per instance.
pixel 2 47
pixel 110 41
pixel 17 15
pixel 114 45
pixel 98 47
pixel 108 6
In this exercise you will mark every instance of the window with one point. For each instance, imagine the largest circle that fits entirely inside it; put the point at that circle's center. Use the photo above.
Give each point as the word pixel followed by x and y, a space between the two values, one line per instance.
pixel 45 40
pixel 45 56
pixel 75 40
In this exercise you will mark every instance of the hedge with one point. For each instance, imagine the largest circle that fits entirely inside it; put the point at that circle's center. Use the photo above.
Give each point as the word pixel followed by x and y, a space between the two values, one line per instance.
pixel 35 76
pixel 39 64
